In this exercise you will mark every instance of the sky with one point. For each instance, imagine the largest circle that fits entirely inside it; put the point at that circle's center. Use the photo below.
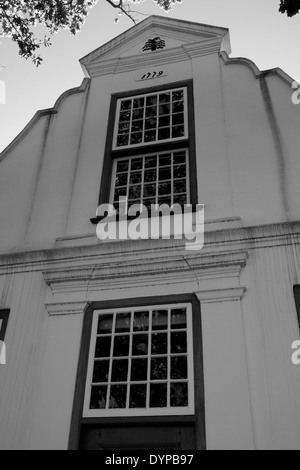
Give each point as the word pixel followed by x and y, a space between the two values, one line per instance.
pixel 258 32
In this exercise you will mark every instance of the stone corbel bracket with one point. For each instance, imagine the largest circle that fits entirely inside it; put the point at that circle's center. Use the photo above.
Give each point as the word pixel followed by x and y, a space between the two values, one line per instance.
pixel 66 308
pixel 234 294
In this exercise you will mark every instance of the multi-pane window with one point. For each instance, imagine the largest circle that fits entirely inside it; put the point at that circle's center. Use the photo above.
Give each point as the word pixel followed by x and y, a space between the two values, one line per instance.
pixel 153 179
pixel 151 118
pixel 150 156
pixel 141 363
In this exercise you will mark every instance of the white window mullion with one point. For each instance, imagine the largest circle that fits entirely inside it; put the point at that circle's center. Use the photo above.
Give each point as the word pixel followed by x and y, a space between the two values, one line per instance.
pixel 111 360
pixel 157 178
pixel 131 123
pixel 129 361
pixel 157 118
pixel 172 180
pixel 149 358
pixel 143 179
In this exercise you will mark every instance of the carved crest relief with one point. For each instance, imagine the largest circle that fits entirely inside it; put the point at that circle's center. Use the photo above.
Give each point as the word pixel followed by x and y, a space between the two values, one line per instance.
pixel 154 44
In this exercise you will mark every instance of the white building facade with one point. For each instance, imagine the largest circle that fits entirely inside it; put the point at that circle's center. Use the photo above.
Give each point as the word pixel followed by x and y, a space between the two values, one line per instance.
pixel 145 344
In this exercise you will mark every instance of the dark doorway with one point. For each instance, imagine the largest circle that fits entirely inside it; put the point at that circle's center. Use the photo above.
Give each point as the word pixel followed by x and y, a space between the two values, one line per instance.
pixel 139 438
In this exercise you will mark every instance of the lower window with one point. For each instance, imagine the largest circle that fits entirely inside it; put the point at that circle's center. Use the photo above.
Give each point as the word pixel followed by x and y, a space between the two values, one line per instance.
pixel 140 380
pixel 141 363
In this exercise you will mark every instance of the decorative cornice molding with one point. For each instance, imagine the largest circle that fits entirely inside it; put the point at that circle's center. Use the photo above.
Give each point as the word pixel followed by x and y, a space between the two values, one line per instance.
pixel 123 274
pixel 234 294
pixel 67 308
pixel 220 237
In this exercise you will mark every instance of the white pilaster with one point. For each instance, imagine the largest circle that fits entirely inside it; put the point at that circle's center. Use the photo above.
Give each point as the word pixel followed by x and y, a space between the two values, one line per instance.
pixel 227 393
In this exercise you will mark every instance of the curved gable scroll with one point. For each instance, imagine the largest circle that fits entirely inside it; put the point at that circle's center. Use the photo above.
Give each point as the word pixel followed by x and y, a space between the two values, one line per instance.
pixel 256 71
pixel 44 112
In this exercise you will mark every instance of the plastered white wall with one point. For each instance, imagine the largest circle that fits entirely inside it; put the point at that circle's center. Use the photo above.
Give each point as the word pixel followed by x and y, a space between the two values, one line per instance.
pixel 24 295
pixel 56 169
pixel 53 408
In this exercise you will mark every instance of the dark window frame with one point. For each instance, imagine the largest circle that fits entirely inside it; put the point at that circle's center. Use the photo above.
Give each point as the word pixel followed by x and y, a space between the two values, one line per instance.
pixel 4 316
pixel 297 301
pixel 78 423
pixel 110 154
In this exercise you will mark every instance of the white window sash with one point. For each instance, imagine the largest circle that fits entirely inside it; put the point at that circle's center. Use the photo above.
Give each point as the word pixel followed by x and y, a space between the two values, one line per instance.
pixel 155 142
pixel 117 160
pixel 171 411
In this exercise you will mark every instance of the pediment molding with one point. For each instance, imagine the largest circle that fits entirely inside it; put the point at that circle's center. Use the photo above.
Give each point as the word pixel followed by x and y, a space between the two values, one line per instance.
pixel 177 35
pixel 159 58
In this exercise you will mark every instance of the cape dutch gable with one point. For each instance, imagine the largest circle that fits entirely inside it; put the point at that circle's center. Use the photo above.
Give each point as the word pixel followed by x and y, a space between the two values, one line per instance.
pixel 232 303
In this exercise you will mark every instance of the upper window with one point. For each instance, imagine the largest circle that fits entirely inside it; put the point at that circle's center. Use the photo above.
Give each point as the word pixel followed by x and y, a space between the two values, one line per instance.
pixel 141 363
pixel 150 153
pixel 151 118
pixel 4 314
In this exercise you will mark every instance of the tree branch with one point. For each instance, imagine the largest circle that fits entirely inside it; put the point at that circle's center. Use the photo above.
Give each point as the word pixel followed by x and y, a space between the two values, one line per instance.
pixel 19 18
pixel 121 7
